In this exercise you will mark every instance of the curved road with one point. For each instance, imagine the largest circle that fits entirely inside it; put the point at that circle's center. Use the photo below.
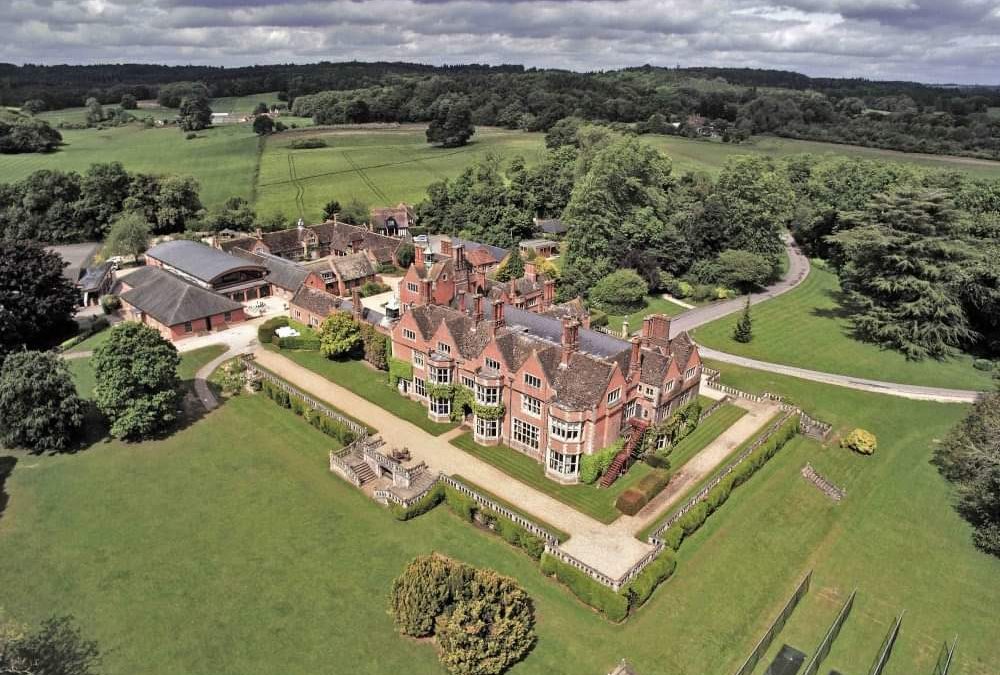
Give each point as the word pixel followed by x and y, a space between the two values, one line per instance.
pixel 798 269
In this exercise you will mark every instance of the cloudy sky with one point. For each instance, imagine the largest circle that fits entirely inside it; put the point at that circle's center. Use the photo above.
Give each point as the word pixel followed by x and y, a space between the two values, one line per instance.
pixel 925 40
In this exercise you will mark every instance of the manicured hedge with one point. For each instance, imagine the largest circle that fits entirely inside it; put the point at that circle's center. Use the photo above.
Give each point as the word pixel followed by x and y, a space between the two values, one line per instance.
pixel 633 499
pixel 612 605
pixel 593 466
pixel 310 342
pixel 434 497
pixel 328 425
pixel 265 332
pixel 654 574
pixel 689 523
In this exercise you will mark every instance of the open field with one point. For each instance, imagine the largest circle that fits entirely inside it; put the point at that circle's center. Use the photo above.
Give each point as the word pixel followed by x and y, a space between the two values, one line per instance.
pixel 234 528
pixel 376 166
pixel 654 304
pixel 807 327
pixel 223 160
pixel 368 383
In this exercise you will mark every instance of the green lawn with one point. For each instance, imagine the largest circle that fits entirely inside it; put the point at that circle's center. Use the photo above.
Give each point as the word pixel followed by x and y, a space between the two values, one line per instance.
pixel 85 378
pixel 806 327
pixel 367 383
pixel 707 431
pixel 234 528
pixel 223 159
pixel 561 535
pixel 654 304
pixel 90 343
pixel 598 503
pixel 375 166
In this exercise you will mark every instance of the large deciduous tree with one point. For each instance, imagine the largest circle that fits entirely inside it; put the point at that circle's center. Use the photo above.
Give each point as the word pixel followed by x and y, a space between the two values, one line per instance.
pixel 620 292
pixel 743 270
pixel 339 335
pixel 36 299
pixel 900 261
pixel 57 647
pixel 194 113
pixel 970 457
pixel 39 406
pixel 137 384
pixel 451 125
pixel 129 235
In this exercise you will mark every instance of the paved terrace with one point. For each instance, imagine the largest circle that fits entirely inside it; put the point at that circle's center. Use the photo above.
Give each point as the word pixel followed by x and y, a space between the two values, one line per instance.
pixel 612 549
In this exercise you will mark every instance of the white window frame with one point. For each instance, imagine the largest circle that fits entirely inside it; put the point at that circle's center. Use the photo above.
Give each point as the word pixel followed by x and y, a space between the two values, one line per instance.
pixel 525 434
pixel 409 334
pixel 614 396
pixel 532 381
pixel 419 388
pixel 418 359
pixel 492 364
pixel 690 372
pixel 631 410
pixel 444 347
pixel 563 464
pixel 487 395
pixel 531 405
pixel 440 375
pixel 487 428
pixel 567 432
pixel 412 287
pixel 441 406
pixel 669 386
pixel 468 382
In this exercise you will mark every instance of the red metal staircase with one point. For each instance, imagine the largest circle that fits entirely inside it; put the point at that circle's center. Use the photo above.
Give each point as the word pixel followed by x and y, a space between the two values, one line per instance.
pixel 633 442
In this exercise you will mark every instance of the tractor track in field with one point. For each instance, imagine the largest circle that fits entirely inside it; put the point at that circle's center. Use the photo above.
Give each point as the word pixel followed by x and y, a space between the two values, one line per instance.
pixel 299 188
pixel 365 178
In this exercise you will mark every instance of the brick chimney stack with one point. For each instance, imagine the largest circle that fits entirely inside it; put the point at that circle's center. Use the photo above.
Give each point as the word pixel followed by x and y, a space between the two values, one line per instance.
pixel 548 294
pixel 477 308
pixel 356 306
pixel 656 330
pixel 418 256
pixel 498 320
pixel 458 254
pixel 461 301
pixel 425 291
pixel 635 357
pixel 446 247
pixel 530 271
pixel 570 339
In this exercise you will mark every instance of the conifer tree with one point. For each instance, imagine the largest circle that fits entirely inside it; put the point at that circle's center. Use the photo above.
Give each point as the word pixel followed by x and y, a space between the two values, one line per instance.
pixel 743 331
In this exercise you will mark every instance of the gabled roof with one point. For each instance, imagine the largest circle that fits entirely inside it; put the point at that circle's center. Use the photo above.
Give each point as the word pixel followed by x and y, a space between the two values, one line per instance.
pixel 200 261
pixel 318 302
pixel 352 267
pixel 402 213
pixel 172 300
pixel 282 272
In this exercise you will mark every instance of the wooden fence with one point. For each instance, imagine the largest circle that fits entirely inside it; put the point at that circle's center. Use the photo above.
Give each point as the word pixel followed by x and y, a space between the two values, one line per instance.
pixel 779 622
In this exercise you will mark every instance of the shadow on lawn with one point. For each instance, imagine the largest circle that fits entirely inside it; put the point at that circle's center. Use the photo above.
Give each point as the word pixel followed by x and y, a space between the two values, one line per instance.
pixel 7 464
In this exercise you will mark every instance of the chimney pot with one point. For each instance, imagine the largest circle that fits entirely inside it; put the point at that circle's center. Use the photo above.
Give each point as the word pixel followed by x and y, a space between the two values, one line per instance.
pixel 570 339
pixel 498 320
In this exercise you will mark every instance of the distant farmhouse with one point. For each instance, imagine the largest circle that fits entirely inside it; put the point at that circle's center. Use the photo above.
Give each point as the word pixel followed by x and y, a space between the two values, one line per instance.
pixel 310 242
pixel 393 221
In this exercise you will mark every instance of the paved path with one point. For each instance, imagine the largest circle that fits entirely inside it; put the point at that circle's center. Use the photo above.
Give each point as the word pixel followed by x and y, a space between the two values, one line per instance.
pixel 798 269
pixel 613 549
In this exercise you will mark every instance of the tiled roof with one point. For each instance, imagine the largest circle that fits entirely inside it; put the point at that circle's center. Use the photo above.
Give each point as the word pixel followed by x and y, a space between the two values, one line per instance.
pixel 480 256
pixel 402 213
pixel 172 300
pixel 318 302
pixel 282 272
pixel 352 267
pixel 198 260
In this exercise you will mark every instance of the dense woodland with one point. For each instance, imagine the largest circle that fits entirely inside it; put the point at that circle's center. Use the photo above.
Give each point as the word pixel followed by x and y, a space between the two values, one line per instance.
pixel 731 102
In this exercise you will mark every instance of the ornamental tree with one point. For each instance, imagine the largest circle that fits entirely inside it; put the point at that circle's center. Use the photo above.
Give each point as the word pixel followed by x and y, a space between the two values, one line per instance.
pixel 39 406
pixel 129 235
pixel 137 384
pixel 339 335
pixel 743 330
pixel 36 300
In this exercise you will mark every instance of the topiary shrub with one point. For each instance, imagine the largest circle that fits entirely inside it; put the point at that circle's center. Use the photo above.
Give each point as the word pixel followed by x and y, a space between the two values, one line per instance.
pixel 631 501
pixel 860 441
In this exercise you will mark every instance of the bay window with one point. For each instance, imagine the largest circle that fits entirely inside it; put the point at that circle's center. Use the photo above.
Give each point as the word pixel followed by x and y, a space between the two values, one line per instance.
pixel 487 395
pixel 441 406
pixel 566 465
pixel 441 375
pixel 565 431
pixel 487 428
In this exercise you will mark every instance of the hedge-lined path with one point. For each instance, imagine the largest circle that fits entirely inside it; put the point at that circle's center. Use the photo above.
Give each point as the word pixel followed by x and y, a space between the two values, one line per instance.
pixel 701 465
pixel 613 550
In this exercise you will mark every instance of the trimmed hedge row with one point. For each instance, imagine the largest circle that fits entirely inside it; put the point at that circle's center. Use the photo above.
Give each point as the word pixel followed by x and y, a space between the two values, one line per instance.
pixel 467 508
pixel 265 332
pixel 612 605
pixel 654 574
pixel 689 523
pixel 328 425
pixel 631 501
pixel 593 466
pixel 310 342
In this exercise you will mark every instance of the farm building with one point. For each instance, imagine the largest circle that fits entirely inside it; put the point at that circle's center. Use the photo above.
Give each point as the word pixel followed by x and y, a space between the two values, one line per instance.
pixel 237 278
pixel 393 221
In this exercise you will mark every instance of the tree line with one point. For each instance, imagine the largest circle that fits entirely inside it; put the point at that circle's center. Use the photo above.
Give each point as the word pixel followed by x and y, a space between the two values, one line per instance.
pixel 732 102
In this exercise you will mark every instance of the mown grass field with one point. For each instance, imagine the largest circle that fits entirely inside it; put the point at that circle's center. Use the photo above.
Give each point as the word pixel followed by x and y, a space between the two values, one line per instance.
pixel 807 327
pixel 230 548
pixel 374 166
pixel 654 304
pixel 223 159
pixel 368 383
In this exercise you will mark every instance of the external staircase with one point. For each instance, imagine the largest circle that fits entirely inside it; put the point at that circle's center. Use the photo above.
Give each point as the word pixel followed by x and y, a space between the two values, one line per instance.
pixel 633 443
pixel 362 469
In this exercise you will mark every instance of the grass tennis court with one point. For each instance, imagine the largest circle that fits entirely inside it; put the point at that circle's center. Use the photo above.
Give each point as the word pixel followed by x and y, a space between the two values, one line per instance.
pixel 807 327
